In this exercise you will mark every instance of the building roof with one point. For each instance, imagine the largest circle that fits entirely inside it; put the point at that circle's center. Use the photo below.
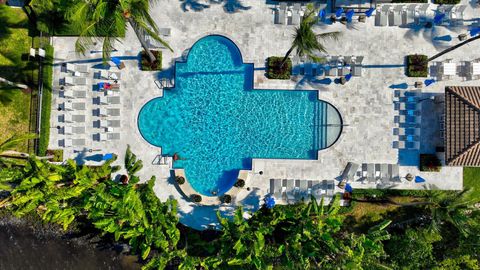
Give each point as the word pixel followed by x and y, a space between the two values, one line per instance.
pixel 462 126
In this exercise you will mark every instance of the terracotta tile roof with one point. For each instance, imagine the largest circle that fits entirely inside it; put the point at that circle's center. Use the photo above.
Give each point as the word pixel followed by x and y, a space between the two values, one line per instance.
pixel 462 126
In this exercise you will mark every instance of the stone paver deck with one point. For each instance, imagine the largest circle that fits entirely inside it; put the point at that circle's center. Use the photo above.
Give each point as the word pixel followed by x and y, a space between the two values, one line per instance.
pixel 365 103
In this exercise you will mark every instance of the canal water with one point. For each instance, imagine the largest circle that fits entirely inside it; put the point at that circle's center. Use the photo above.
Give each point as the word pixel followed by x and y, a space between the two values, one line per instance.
pixel 23 248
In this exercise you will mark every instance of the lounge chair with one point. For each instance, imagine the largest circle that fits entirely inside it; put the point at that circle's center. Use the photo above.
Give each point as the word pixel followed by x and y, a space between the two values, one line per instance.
pixel 68 142
pixel 421 15
pixel 358 60
pixel 331 71
pixel 399 145
pixel 68 118
pixel 75 80
pixel 295 18
pixel 109 123
pixel 113 136
pixel 395 16
pixel 356 70
pixel 70 130
pixel 72 106
pixel 408 16
pixel 164 31
pixel 74 94
pixel 280 13
pixel 349 171
pixel 370 172
pixel 277 188
pixel 384 174
pixel 457 14
pixel 393 170
pixel 330 187
pixel 381 17
pixel 77 68
pixel 115 100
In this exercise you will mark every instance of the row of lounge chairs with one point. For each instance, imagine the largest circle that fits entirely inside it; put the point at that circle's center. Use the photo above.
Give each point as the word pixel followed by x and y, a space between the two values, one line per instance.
pixel 371 172
pixel 335 66
pixel 292 191
pixel 291 15
pixel 408 120
pixel 396 15
pixel 447 69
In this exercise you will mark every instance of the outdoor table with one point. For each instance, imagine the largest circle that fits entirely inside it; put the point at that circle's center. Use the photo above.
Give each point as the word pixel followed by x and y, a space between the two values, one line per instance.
pixel 476 68
pixel 449 68
pixel 418 84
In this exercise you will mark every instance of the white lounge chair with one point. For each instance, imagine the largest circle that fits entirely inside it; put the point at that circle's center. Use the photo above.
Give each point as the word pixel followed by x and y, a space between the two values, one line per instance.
pixel 72 106
pixel 69 118
pixel 381 17
pixel 77 68
pixel 75 81
pixel 296 17
pixel 408 17
pixel 395 16
pixel 68 142
pixel 71 130
pixel 280 13
pixel 113 136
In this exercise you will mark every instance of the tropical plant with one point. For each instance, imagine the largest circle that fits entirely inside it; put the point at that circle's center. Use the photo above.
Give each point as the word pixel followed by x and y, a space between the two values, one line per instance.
pixel 107 20
pixel 306 42
pixel 132 165
pixel 14 84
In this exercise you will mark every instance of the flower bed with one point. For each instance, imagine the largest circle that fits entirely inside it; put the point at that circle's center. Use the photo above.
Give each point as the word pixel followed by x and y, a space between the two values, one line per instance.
pixel 417 65
pixel 275 72
pixel 147 66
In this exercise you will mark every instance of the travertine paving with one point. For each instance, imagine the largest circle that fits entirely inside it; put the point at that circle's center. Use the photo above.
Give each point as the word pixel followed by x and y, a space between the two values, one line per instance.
pixel 366 103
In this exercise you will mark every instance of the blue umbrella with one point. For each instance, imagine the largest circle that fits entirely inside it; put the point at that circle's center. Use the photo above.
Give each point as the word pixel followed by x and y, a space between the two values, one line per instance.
pixel 369 12
pixel 348 76
pixel 348 188
pixel 474 31
pixel 349 15
pixel 269 202
pixel 399 86
pixel 339 12
pixel 429 82
pixel 116 61
pixel 443 38
pixel 322 14
pixel 439 18
pixel 419 179
pixel 107 156
pixel 326 81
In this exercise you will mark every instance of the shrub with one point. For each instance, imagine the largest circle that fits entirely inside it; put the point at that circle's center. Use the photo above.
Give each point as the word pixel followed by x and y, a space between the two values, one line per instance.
pixel 57 155
pixel 429 163
pixel 196 198
pixel 417 65
pixel 446 2
pixel 46 101
pixel 180 180
pixel 409 1
pixel 240 183
pixel 226 198
pixel 275 72
pixel 145 63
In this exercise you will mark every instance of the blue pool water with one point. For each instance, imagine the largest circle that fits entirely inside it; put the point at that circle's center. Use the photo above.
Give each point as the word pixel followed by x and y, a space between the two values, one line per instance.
pixel 216 123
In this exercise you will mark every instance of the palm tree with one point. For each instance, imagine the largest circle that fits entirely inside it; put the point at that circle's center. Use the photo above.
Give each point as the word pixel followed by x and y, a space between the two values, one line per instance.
pixel 453 48
pixel 108 19
pixel 306 42
pixel 10 144
pixel 10 83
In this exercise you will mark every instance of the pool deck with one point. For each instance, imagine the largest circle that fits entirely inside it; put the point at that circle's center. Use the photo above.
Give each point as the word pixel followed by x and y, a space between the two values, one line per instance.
pixel 366 103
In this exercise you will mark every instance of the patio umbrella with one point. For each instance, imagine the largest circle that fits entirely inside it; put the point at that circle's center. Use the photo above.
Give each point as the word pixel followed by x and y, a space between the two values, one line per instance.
pixel 443 38
pixel 322 14
pixel 326 81
pixel 339 12
pixel 474 31
pixel 438 18
pixel 269 202
pixel 348 188
pixel 429 82
pixel 107 156
pixel 399 86
pixel 369 12
pixel 349 15
pixel 419 179
pixel 116 61
pixel 348 76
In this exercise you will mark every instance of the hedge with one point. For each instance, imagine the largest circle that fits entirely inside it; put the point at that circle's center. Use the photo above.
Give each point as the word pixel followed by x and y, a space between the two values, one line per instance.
pixel 446 2
pixel 273 70
pixel 417 65
pixel 46 101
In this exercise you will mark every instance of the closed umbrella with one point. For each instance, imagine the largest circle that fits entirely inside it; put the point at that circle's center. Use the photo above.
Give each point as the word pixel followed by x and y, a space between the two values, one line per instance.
pixel 339 12
pixel 107 156
pixel 419 179
pixel 439 18
pixel 348 76
pixel 369 12
pixel 429 82
pixel 322 14
pixel 349 15
pixel 475 31
pixel 269 202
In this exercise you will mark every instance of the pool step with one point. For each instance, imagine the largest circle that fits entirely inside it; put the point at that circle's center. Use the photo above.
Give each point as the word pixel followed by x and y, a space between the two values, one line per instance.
pixel 320 125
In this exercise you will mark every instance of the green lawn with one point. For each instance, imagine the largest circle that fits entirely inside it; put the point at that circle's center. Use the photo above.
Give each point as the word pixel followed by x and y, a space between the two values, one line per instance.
pixel 471 179
pixel 15 116
pixel 14 66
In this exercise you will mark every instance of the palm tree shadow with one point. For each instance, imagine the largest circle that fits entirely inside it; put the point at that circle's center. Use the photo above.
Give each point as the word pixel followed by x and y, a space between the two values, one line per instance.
pixel 194 5
pixel 232 6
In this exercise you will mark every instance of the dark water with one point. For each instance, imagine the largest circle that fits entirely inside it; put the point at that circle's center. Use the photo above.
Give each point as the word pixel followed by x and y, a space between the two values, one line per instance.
pixel 22 248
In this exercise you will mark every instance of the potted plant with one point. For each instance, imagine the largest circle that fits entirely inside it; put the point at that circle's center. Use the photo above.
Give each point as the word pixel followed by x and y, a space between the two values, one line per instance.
pixel 196 198
pixel 240 183
pixel 226 198
pixel 180 180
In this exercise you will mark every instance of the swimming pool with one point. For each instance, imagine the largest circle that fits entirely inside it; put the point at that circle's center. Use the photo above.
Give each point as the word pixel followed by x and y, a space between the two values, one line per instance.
pixel 216 122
